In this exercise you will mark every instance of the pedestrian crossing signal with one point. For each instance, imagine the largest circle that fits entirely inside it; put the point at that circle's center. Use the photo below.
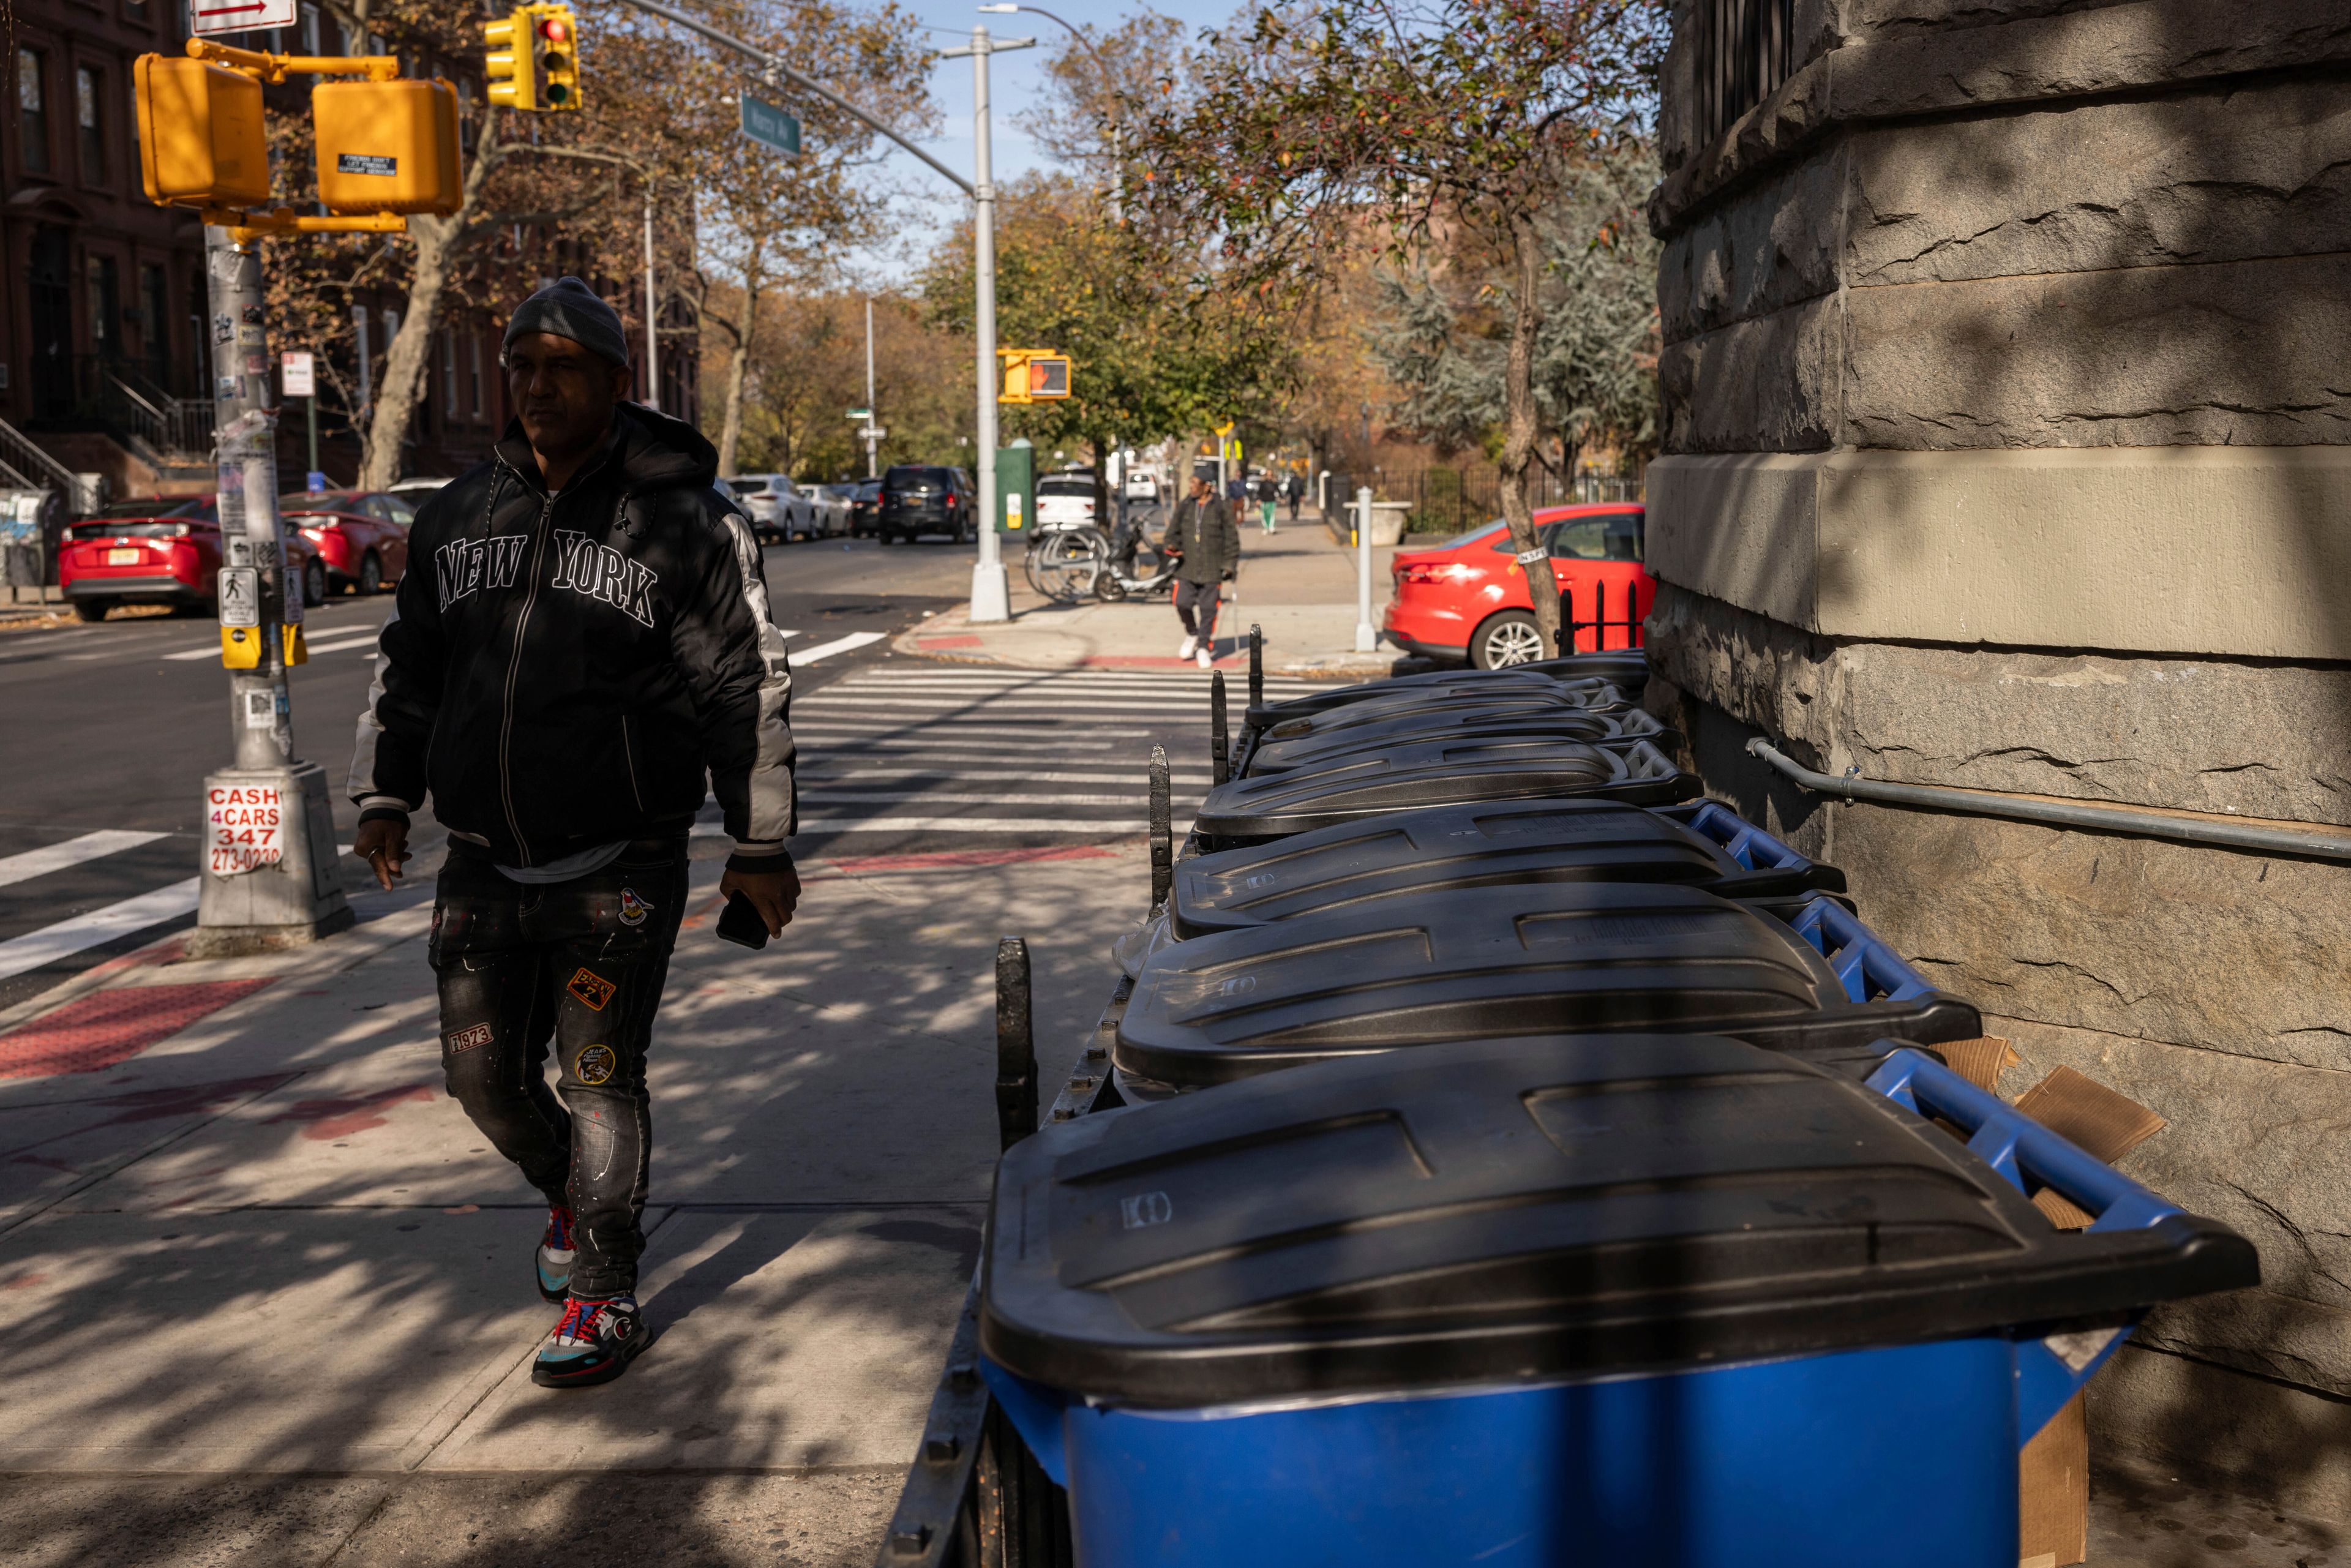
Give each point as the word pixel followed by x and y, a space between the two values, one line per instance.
pixel 1033 375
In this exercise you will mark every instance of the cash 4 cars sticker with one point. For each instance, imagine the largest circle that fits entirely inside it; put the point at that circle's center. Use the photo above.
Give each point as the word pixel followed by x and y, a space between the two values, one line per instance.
pixel 244 828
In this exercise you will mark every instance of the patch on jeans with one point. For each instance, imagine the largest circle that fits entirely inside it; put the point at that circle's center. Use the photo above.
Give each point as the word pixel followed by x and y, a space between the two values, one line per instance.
pixel 633 909
pixel 592 989
pixel 595 1064
pixel 472 1038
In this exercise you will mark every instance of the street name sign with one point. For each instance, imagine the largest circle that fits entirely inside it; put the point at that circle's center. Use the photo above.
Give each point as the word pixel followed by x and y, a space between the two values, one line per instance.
pixel 770 126
pixel 207 18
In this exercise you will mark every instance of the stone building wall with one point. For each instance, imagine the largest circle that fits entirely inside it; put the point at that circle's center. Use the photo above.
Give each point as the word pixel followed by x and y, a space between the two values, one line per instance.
pixel 2007 390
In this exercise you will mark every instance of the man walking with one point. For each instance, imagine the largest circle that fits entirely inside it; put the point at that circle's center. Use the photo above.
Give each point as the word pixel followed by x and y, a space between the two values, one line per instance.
pixel 583 636
pixel 1202 532
pixel 1295 490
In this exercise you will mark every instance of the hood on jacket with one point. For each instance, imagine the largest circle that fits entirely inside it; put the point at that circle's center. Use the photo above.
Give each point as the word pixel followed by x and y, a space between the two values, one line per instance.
pixel 649 451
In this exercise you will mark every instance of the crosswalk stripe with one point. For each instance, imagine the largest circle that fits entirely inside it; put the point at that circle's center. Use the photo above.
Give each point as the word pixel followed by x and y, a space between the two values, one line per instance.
pixel 368 641
pixel 211 651
pixel 827 703
pixel 67 938
pixel 31 864
pixel 850 644
pixel 949 825
pixel 1056 776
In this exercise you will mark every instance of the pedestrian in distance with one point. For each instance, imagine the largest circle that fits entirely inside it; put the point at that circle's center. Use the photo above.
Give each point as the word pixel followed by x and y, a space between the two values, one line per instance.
pixel 1296 490
pixel 584 639
pixel 1267 489
pixel 1203 534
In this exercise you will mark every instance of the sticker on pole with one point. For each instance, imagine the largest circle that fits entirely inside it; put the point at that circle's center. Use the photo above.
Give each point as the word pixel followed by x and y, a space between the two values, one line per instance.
pixel 1529 557
pixel 207 18
pixel 244 829
pixel 240 596
pixel 297 374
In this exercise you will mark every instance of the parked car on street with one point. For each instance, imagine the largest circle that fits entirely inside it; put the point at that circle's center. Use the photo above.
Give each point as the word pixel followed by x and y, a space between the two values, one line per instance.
pixel 866 510
pixel 161 549
pixel 415 488
pixel 1467 598
pixel 839 504
pixel 924 498
pixel 779 511
pixel 1065 500
pixel 1142 484
pixel 362 536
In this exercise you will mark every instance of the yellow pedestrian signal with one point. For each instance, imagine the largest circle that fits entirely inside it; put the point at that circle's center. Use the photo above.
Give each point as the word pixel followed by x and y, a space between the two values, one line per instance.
pixel 387 146
pixel 200 141
pixel 507 66
pixel 1033 375
pixel 535 63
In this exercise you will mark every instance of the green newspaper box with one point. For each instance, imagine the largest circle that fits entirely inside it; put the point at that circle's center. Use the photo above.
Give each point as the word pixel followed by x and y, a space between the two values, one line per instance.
pixel 1016 490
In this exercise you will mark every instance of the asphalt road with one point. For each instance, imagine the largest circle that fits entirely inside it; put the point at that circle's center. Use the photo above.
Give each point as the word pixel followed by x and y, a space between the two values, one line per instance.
pixel 111 728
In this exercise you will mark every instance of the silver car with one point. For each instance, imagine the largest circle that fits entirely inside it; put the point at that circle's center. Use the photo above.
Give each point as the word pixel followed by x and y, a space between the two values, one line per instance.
pixel 779 511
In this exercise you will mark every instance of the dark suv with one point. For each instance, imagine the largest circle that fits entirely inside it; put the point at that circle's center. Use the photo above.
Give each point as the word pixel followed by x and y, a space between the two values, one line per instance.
pixel 917 498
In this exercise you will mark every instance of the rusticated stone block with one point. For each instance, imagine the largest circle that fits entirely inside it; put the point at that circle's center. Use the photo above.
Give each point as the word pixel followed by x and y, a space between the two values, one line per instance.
pixel 2217 175
pixel 1774 246
pixel 2211 1424
pixel 2241 353
pixel 1768 384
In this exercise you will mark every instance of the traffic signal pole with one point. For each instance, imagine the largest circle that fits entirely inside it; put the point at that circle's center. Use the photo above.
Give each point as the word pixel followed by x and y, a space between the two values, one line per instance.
pixel 270 873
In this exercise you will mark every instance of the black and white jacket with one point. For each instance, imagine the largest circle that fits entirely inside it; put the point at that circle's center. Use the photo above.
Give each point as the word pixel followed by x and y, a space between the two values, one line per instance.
pixel 563 671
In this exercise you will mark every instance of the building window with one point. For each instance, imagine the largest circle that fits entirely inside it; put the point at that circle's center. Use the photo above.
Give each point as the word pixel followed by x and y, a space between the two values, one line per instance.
pixel 309 29
pixel 91 122
pixel 1745 49
pixel 154 322
pixel 33 110
pixel 105 307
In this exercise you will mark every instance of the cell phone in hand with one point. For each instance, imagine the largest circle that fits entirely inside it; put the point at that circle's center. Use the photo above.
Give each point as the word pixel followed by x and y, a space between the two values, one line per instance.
pixel 739 922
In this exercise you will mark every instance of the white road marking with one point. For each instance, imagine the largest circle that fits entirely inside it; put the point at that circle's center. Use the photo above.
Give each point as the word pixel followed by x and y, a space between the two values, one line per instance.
pixel 926 797
pixel 973 727
pixel 928 825
pixel 211 651
pixel 67 938
pixel 850 644
pixel 367 642
pixel 73 851
pixel 1092 775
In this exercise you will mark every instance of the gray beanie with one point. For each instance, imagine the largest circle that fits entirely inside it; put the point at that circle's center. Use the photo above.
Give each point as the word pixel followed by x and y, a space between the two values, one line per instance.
pixel 569 308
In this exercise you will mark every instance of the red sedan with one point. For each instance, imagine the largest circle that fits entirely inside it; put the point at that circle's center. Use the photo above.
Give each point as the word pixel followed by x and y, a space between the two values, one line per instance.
pixel 1467 598
pixel 163 550
pixel 360 535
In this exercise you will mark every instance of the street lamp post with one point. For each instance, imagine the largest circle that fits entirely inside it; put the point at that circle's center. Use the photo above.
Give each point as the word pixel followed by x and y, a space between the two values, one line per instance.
pixel 1117 132
pixel 991 593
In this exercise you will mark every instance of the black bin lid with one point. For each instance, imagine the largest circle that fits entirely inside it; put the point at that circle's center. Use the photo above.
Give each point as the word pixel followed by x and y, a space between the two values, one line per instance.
pixel 1317 740
pixel 1515 1210
pixel 1413 853
pixel 1446 685
pixel 1438 773
pixel 1522 958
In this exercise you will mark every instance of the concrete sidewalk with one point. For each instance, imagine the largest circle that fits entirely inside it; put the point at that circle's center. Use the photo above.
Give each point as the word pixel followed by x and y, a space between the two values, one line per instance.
pixel 269 1291
pixel 1295 583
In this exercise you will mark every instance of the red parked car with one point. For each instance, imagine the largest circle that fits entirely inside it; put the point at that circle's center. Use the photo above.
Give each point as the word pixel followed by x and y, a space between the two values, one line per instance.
pixel 360 535
pixel 162 550
pixel 1467 598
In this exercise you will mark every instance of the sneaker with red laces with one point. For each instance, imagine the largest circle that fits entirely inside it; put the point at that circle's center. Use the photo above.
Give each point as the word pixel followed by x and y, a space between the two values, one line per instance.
pixel 594 1342
pixel 555 1254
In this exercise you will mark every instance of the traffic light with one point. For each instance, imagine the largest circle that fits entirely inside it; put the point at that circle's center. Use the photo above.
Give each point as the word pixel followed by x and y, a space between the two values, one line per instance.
pixel 200 141
pixel 1033 375
pixel 555 56
pixel 508 66
pixel 535 63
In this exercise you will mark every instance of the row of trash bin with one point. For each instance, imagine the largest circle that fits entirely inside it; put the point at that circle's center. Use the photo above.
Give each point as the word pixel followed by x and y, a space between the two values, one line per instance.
pixel 1518 1159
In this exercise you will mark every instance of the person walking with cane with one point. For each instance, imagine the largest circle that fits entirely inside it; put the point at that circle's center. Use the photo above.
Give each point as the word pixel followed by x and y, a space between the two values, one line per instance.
pixel 1202 533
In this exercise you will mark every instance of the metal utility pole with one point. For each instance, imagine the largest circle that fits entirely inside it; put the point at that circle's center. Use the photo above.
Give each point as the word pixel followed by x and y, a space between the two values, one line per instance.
pixel 653 325
pixel 991 595
pixel 873 441
pixel 270 877
pixel 1366 638
pixel 1117 132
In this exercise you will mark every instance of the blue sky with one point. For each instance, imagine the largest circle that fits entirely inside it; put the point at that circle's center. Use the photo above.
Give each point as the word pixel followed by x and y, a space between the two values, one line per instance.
pixel 1013 80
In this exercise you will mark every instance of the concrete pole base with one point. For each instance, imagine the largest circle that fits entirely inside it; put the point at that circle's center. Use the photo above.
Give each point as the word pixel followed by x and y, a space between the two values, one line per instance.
pixel 271 877
pixel 991 592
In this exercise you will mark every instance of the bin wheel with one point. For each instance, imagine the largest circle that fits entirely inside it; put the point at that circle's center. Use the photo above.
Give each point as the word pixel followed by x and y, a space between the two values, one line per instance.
pixel 1510 638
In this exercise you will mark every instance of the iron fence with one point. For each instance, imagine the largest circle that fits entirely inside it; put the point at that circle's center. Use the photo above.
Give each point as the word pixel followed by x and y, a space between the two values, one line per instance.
pixel 1626 627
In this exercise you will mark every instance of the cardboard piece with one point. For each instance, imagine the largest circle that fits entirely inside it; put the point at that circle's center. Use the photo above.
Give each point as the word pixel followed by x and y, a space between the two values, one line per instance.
pixel 2054 1470
pixel 1980 1060
pixel 2085 1111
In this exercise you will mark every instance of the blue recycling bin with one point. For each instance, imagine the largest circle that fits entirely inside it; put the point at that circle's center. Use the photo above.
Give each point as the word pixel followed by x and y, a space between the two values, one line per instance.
pixel 1674 1301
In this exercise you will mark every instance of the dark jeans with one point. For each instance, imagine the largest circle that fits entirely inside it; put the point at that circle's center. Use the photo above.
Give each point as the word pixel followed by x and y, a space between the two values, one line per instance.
pixel 577 965
pixel 1200 598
